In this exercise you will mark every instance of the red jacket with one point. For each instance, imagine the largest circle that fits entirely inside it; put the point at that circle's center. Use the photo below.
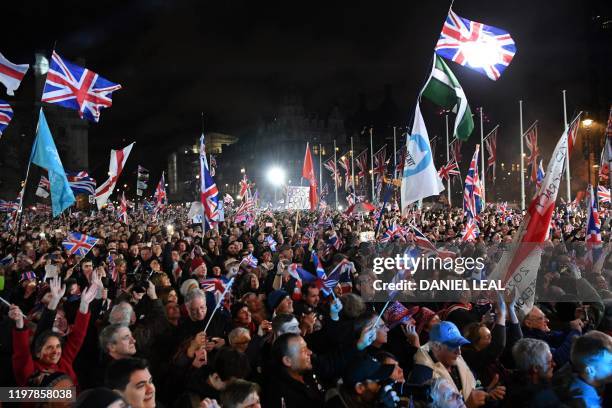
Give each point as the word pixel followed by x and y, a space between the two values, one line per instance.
pixel 23 364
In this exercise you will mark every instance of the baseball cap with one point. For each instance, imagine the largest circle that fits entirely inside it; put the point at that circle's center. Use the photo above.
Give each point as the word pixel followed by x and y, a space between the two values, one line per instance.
pixel 366 368
pixel 447 333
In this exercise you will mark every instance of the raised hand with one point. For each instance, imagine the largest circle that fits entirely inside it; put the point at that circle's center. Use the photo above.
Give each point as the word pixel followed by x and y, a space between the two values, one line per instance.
pixel 367 337
pixel 16 315
pixel 334 310
pixel 57 292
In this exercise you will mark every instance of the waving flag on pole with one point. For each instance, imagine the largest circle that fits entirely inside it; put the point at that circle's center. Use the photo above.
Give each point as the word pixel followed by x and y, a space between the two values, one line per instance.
pixel 122 214
pixel 6 114
pixel 485 49
pixel 603 194
pixel 491 145
pixel 309 174
pixel 209 194
pixel 443 89
pixel 77 88
pixel 420 178
pixel 362 164
pixel 531 139
pixel 524 258
pixel 43 187
pixel 45 155
pixel 400 156
pixel 455 150
pixel 117 163
pixel 160 194
pixel 593 240
pixel 448 170
pixel 472 196
pixel 573 133
pixel 79 244
pixel 11 74
pixel 245 188
pixel 333 169
pixel 81 183
pixel 380 162
pixel 345 163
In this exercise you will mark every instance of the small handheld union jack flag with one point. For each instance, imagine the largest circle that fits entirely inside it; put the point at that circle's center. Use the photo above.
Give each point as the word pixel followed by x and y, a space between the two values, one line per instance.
pixel 78 88
pixel 472 196
pixel 470 231
pixel 123 209
pixel 79 244
pixel 485 49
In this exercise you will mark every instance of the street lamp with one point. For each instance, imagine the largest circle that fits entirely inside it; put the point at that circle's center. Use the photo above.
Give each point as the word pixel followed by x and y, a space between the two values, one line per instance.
pixel 276 177
pixel 587 123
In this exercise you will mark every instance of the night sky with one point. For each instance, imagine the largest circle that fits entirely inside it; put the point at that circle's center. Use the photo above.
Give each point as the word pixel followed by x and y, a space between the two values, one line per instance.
pixel 233 60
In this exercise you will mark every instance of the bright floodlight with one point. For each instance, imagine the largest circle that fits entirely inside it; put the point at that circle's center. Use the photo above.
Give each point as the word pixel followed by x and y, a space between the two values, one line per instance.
pixel 276 176
pixel 481 54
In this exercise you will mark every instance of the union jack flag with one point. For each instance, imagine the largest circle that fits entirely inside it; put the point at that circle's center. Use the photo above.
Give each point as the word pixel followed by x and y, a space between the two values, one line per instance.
pixel 112 267
pixel 340 274
pixel 392 232
pixel 456 150
pixel 472 195
pixel 400 159
pixel 81 183
pixel 79 244
pixel 209 194
pixel 449 169
pixel 531 139
pixel 485 49
pixel 471 231
pixel 362 164
pixel 160 193
pixel 110 206
pixel 78 88
pixel 6 114
pixel 324 190
pixel 245 188
pixel 212 285
pixel 250 260
pixel 572 133
pixel 345 163
pixel 491 145
pixel 43 187
pixel 228 200
pixel 380 165
pixel 603 194
pixel 8 206
pixel 333 169
pixel 123 209
pixel 593 228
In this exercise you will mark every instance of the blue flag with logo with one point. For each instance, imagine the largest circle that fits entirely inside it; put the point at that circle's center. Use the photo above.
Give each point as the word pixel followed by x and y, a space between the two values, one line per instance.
pixel 45 155
pixel 420 178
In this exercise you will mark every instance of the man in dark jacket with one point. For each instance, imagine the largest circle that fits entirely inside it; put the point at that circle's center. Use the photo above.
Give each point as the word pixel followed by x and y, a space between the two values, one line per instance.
pixel 295 372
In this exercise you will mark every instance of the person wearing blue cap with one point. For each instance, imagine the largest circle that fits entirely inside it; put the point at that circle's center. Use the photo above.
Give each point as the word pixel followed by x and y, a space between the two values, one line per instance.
pixel 441 358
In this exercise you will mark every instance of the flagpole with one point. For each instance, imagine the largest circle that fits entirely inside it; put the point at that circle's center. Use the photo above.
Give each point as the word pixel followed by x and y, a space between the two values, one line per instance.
pixel 353 169
pixel 335 175
pixel 394 151
pixel 522 154
pixel 372 164
pixel 320 174
pixel 567 161
pixel 204 183
pixel 482 159
pixel 448 182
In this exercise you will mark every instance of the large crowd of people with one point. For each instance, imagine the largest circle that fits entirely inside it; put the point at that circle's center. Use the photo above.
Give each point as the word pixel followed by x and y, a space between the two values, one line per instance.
pixel 160 313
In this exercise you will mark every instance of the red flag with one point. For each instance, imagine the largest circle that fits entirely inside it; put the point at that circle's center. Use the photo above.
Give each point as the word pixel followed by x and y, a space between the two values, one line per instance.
pixel 572 133
pixel 309 174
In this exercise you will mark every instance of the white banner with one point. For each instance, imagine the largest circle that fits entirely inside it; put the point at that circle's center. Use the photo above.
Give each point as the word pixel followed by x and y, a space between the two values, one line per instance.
pixel 297 198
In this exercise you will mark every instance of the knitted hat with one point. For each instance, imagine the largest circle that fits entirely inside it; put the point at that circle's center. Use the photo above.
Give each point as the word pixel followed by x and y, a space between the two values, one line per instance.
pixel 27 276
pixel 423 317
pixel 396 313
pixel 275 298
pixel 195 263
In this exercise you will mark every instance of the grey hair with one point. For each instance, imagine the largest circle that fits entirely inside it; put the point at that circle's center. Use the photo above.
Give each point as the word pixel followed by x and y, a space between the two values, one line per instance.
pixel 121 314
pixel 237 332
pixel 108 335
pixel 193 295
pixel 528 353
pixel 352 305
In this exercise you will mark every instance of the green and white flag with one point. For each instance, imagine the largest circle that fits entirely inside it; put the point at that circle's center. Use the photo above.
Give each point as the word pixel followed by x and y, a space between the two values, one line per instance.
pixel 443 89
